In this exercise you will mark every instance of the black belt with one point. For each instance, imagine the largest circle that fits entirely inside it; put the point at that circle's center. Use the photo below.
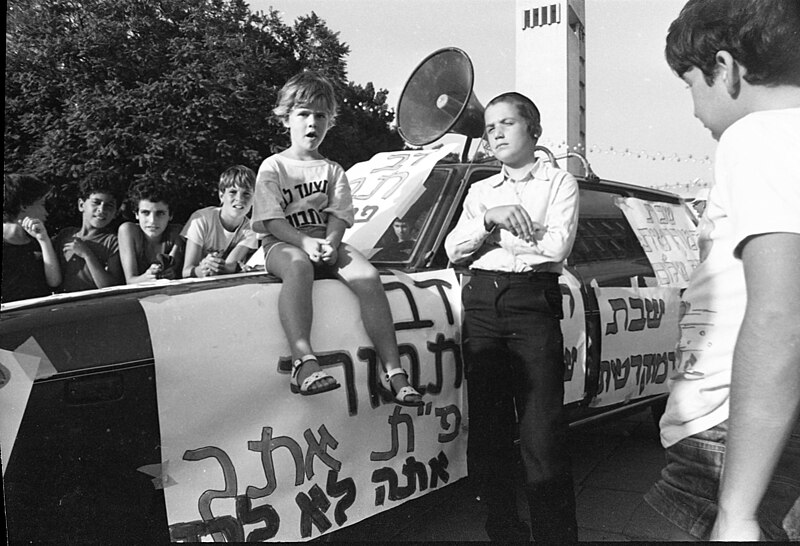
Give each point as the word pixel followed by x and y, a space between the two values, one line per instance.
pixel 525 275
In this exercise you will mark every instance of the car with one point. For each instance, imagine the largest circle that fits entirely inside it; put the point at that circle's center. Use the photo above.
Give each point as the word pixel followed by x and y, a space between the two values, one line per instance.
pixel 108 446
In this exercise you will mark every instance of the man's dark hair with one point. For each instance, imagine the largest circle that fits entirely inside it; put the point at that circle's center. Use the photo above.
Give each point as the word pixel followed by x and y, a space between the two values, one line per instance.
pixel 762 35
pixel 20 191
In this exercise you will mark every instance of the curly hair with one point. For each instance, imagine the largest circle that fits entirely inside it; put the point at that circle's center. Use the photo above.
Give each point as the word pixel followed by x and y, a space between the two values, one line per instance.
pixel 304 89
pixel 101 182
pixel 151 190
pixel 762 35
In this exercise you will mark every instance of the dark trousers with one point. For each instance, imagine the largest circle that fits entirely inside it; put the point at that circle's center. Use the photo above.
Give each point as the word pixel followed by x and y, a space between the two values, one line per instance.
pixel 513 350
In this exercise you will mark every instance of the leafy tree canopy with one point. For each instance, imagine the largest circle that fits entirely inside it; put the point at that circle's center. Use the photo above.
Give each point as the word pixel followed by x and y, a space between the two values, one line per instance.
pixel 172 90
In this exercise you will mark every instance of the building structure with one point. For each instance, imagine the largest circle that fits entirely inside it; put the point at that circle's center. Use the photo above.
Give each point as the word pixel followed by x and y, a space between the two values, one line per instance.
pixel 551 70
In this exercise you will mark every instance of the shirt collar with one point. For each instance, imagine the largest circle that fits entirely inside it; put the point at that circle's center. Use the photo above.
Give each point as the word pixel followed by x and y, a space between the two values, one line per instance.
pixel 538 171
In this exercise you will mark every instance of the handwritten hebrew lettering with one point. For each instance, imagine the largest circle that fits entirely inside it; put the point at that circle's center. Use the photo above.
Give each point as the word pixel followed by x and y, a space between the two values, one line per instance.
pixel 346 489
pixel 617 304
pixel 654 310
pixel 651 368
pixel 649 312
pixel 438 348
pixel 570 358
pixel 441 285
pixel 312 510
pixel 417 474
pixel 395 420
pixel 266 446
pixel 222 529
pixel 455 427
pixel 362 193
pixel 320 449
pixel 364 214
pixel 228 475
pixel 416 322
pixel 247 514
pixel 438 466
pixel 569 299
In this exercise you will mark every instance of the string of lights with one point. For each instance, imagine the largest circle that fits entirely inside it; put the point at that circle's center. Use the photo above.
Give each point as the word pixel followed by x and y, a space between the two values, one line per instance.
pixel 632 153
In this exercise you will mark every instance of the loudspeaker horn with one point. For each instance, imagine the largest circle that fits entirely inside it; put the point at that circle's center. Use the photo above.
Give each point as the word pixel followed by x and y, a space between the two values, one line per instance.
pixel 438 99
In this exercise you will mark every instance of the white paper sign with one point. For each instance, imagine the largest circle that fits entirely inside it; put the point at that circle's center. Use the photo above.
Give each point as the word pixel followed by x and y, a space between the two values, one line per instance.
pixel 668 237
pixel 247 459
pixel 17 372
pixel 637 355
pixel 573 328
pixel 384 188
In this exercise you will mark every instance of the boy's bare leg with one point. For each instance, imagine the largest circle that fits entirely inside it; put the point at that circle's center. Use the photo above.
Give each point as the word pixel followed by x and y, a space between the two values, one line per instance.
pixel 295 305
pixel 365 281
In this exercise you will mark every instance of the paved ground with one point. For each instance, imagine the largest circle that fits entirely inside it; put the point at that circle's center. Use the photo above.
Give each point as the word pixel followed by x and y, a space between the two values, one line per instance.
pixel 613 463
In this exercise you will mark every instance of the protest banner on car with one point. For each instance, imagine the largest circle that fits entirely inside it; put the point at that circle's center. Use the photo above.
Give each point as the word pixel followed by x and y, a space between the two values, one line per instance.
pixel 244 458
pixel 668 237
pixel 638 341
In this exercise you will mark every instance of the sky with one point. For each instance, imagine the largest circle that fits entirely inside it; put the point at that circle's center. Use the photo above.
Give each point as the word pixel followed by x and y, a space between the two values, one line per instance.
pixel 640 123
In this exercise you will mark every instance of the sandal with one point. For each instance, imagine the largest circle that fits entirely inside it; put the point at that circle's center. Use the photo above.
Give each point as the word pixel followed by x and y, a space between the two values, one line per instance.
pixel 400 396
pixel 306 387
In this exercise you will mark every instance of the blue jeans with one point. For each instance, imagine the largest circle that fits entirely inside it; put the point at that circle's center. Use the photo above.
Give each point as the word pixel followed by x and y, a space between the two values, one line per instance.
pixel 513 350
pixel 686 494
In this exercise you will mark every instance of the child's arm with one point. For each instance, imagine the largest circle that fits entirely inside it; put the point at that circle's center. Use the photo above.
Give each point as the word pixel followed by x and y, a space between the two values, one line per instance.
pixel 127 256
pixel 240 253
pixel 283 230
pixel 52 268
pixel 102 278
pixel 333 236
pixel 197 265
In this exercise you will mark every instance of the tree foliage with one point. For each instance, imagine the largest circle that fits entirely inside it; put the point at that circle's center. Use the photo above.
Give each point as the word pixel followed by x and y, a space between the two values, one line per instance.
pixel 173 90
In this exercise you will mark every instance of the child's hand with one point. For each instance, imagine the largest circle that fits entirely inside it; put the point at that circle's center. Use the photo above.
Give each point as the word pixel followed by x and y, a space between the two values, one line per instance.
pixel 516 220
pixel 34 227
pixel 313 247
pixel 153 273
pixel 211 265
pixel 77 247
pixel 329 254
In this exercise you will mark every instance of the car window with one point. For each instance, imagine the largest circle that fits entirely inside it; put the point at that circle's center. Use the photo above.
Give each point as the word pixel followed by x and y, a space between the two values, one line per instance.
pixel 603 231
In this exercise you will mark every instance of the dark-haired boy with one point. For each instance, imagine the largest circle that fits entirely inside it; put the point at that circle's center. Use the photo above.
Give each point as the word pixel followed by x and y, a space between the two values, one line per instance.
pixel 90 254
pixel 151 248
pixel 30 263
pixel 731 423
pixel 515 232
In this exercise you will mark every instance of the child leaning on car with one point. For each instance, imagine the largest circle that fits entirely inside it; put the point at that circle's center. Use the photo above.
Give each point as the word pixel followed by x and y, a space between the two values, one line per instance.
pixel 89 254
pixel 514 234
pixel 151 248
pixel 218 238
pixel 30 262
pixel 303 205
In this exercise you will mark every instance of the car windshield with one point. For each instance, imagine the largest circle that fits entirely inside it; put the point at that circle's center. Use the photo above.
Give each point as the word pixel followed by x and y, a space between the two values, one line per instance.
pixel 400 240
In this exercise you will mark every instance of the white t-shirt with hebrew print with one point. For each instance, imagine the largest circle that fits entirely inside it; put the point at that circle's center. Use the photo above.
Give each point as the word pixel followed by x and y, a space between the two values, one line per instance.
pixel 303 192
pixel 757 191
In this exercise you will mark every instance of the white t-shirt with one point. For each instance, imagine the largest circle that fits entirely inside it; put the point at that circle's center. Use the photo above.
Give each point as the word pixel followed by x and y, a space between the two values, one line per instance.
pixel 757 191
pixel 303 192
pixel 204 228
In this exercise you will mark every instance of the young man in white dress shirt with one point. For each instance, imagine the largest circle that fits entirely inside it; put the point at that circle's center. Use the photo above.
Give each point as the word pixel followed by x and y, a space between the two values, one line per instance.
pixel 515 232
